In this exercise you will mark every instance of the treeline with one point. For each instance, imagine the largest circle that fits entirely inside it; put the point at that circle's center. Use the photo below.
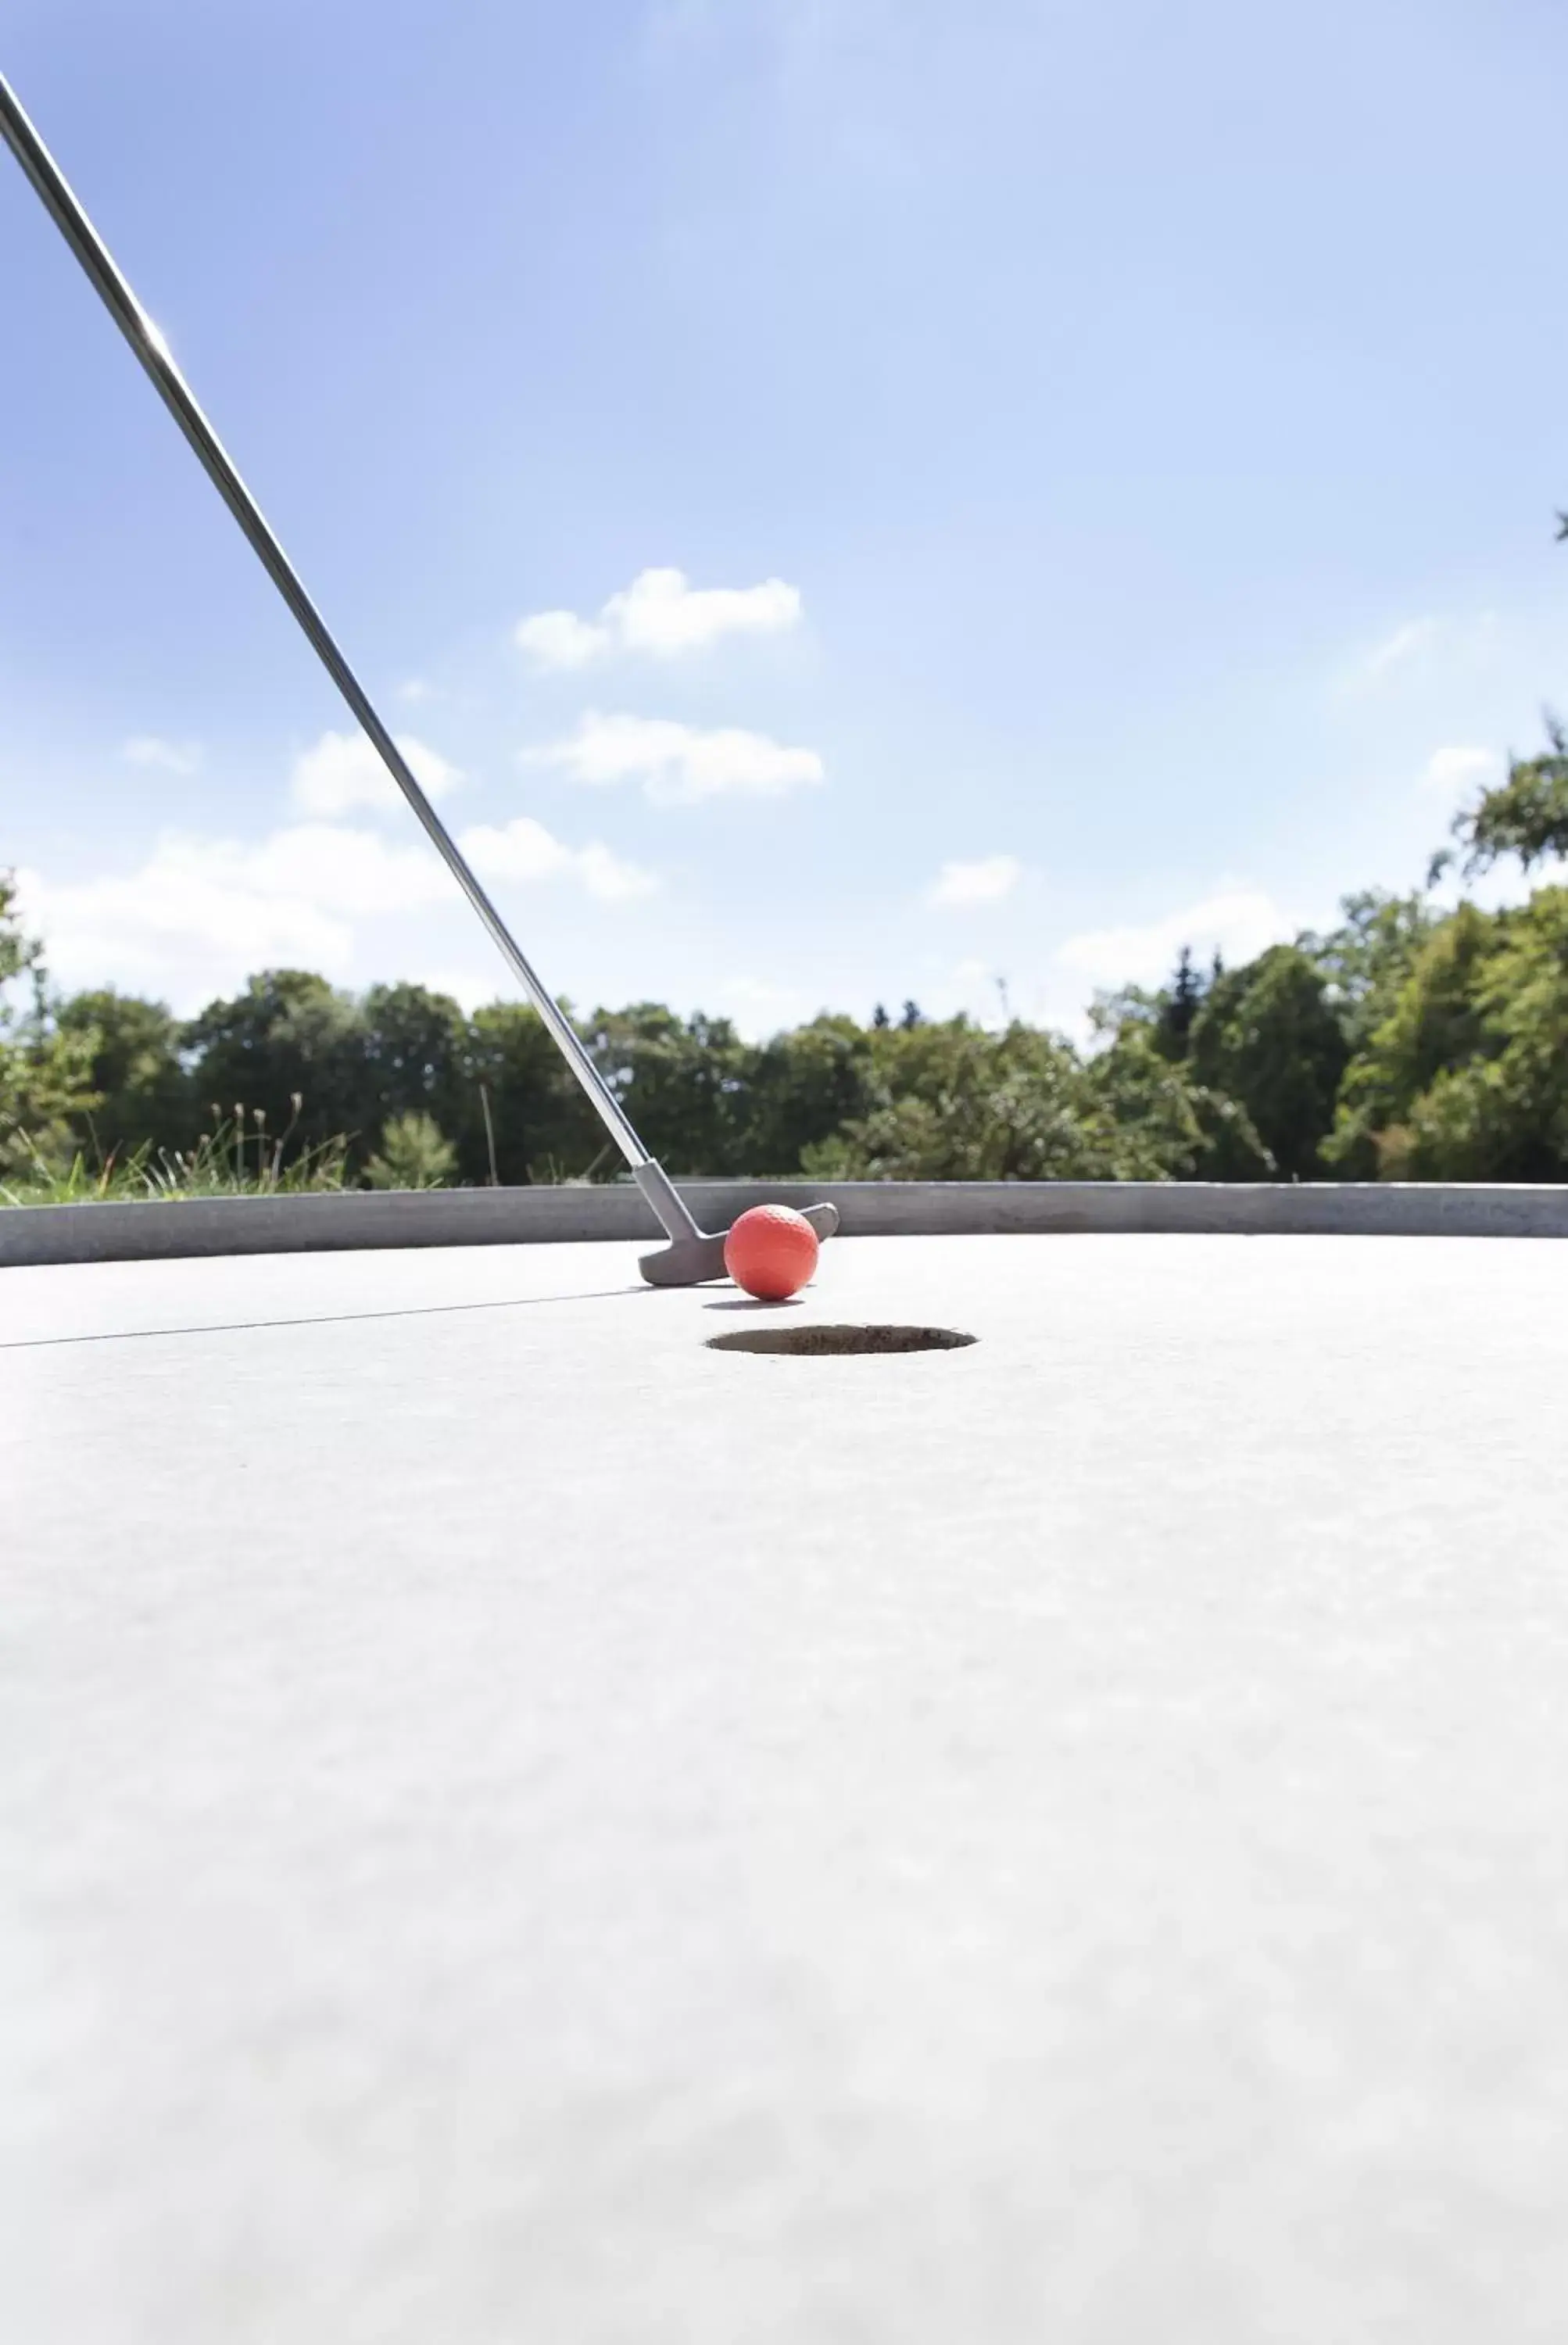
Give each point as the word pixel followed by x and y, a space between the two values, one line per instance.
pixel 1410 1042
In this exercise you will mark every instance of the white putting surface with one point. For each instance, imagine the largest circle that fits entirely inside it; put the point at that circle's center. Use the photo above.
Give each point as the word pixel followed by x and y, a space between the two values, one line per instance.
pixel 515 1826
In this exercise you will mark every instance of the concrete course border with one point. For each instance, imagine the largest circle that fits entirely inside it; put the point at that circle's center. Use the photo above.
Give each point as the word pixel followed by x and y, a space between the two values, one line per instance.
pixel 337 1222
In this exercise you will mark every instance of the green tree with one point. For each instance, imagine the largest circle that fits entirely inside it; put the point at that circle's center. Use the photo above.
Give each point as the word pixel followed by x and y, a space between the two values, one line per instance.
pixel 1366 958
pixel 1526 816
pixel 685 1084
pixel 143 1091
pixel 544 1128
pixel 1165 1125
pixel 950 1102
pixel 1467 1078
pixel 805 1087
pixel 1179 1005
pixel 1431 1022
pixel 290 1051
pixel 414 1044
pixel 45 1075
pixel 412 1155
pixel 1267 1038
pixel 1165 1013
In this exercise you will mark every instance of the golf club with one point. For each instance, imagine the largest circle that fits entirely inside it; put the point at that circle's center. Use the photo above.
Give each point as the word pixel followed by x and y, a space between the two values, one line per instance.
pixel 692 1256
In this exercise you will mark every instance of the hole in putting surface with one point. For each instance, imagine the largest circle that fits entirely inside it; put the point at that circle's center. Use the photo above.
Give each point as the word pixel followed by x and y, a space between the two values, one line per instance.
pixel 826 1342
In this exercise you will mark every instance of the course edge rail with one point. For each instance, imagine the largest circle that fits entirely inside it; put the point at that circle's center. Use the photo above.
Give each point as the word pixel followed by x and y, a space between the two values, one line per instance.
pixel 338 1221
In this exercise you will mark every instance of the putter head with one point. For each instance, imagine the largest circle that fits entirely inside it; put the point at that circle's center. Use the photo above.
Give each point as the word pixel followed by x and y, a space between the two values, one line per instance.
pixel 691 1261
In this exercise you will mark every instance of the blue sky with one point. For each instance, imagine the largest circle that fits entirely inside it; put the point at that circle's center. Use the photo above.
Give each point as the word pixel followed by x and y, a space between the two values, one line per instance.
pixel 1031 483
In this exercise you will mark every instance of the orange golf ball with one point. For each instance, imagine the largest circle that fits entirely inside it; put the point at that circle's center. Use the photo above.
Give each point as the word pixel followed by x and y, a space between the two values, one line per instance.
pixel 771 1252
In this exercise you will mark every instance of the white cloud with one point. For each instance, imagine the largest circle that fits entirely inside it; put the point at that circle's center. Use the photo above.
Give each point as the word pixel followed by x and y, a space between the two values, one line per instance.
pixel 1450 772
pixel 341 869
pixel 524 849
pixel 227 906
pixel 200 915
pixel 1396 649
pixel 473 985
pixel 150 749
pixel 982 991
pixel 661 614
pixel 608 878
pixel 1238 922
pixel 679 764
pixel 188 923
pixel 414 689
pixel 342 771
pixel 1425 649
pixel 560 639
pixel 759 1009
pixel 985 881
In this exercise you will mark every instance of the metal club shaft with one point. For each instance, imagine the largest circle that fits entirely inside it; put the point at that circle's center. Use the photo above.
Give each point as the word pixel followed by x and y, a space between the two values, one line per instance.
pixel 63 209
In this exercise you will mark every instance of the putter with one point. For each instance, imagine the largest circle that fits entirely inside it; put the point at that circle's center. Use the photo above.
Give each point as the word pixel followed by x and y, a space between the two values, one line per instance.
pixel 692 1256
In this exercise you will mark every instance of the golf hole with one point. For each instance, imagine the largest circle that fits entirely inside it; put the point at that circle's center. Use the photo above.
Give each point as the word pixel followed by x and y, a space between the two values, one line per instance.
pixel 832 1343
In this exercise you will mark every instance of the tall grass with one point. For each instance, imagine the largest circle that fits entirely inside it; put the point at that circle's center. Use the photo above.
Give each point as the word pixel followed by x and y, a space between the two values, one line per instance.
pixel 237 1157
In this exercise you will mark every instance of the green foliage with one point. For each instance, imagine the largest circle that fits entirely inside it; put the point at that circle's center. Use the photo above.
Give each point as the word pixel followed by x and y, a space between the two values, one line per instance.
pixel 544 1128
pixel 411 1044
pixel 1165 1015
pixel 1168 1126
pixel 19 955
pixel 291 1046
pixel 233 1159
pixel 1402 1044
pixel 807 1087
pixel 1366 960
pixel 1467 1078
pixel 1405 1043
pixel 684 1083
pixel 1268 1038
pixel 1430 1022
pixel 949 1101
pixel 134 1068
pixel 1178 1008
pixel 412 1155
pixel 1526 816
pixel 45 1075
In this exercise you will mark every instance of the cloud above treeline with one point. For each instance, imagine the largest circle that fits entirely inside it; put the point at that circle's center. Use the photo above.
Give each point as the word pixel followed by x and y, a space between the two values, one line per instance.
pixel 661 615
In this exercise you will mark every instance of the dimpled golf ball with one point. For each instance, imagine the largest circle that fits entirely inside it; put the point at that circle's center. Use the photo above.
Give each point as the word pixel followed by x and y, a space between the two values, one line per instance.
pixel 771 1252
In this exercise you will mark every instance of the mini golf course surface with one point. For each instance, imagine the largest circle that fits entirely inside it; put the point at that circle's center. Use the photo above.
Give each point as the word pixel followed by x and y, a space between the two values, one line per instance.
pixel 516 1825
